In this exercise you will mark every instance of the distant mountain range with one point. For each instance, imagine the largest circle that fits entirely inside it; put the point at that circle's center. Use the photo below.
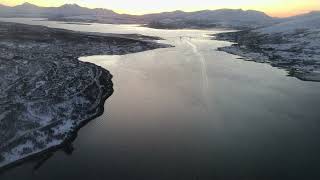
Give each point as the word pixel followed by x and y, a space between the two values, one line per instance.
pixel 228 18
pixel 30 10
pixel 236 18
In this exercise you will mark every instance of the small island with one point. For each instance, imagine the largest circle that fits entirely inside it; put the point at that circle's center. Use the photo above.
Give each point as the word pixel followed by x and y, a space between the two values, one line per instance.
pixel 46 93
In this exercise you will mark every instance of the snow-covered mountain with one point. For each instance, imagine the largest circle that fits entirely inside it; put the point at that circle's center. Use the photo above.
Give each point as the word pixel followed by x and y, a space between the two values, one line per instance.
pixel 74 9
pixel 26 7
pixel 309 21
pixel 30 10
pixel 237 18
pixel 227 18
pixel 176 19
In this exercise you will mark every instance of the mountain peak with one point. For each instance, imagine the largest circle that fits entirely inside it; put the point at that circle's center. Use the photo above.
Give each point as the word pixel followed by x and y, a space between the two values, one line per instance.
pixel 71 6
pixel 26 4
pixel 314 12
pixel 1 5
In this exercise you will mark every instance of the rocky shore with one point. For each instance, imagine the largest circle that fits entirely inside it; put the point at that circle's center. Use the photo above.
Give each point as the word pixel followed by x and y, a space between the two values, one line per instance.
pixel 46 93
pixel 296 51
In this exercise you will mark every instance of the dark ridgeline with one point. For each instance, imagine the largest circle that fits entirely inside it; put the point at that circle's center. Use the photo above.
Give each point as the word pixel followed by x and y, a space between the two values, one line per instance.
pixel 232 18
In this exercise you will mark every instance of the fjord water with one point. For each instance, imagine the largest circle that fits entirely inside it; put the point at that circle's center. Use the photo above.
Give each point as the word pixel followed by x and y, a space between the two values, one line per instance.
pixel 190 112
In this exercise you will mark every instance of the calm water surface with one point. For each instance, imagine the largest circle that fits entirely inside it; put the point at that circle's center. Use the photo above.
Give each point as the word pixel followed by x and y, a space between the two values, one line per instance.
pixel 190 112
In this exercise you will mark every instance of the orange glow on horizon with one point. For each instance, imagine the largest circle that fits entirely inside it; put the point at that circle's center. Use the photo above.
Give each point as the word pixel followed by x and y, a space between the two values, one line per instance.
pixel 275 8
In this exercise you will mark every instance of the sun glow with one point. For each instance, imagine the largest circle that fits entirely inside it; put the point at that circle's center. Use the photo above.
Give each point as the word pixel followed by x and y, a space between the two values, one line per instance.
pixel 272 7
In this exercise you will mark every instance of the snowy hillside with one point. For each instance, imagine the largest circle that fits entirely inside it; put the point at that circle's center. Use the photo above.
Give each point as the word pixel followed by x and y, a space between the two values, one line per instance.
pixel 30 10
pixel 310 21
pixel 46 93
pixel 229 18
pixel 293 45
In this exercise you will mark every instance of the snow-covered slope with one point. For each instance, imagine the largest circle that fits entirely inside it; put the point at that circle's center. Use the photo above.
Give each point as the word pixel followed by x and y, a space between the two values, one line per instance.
pixel 46 93
pixel 232 18
pixel 228 15
pixel 293 44
pixel 310 21
pixel 30 10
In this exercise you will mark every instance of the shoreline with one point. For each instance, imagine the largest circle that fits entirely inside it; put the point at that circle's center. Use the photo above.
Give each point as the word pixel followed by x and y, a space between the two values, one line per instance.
pixel 72 135
pixel 263 48
pixel 48 94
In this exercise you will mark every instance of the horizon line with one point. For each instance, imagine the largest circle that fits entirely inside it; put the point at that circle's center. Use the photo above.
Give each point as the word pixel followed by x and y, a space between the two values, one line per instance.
pixel 158 12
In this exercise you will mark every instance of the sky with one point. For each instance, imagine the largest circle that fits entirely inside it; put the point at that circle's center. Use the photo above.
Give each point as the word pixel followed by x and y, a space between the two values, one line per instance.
pixel 276 8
